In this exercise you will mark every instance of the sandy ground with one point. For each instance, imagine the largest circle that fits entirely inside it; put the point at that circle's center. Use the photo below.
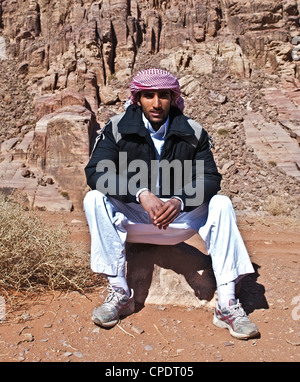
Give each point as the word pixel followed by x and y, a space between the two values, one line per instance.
pixel 57 326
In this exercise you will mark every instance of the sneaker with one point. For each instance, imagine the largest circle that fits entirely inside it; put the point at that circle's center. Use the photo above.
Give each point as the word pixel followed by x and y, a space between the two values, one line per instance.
pixel 116 305
pixel 234 318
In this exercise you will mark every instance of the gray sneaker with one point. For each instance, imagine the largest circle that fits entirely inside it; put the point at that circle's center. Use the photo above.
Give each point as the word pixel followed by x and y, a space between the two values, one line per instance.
pixel 116 305
pixel 234 318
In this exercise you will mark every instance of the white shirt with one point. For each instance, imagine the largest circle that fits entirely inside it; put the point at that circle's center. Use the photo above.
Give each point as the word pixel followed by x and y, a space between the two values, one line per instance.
pixel 158 137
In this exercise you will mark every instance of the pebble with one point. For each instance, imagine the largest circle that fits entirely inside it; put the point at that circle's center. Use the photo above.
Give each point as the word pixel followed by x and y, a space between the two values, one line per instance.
pixel 137 329
pixel 26 316
pixel 67 354
pixel 148 347
pixel 228 343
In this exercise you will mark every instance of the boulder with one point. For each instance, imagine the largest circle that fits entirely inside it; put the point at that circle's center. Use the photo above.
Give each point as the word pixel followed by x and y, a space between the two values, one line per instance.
pixel 189 85
pixel 171 275
pixel 50 199
pixel 61 147
pixel 108 95
pixel 238 63
pixel 8 145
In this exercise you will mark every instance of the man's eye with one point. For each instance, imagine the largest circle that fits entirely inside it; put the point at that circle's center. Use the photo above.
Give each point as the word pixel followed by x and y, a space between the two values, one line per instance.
pixel 148 95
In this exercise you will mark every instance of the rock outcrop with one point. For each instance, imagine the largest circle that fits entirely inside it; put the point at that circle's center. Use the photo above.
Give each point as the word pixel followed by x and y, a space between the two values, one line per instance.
pixel 81 54
pixel 83 44
pixel 65 68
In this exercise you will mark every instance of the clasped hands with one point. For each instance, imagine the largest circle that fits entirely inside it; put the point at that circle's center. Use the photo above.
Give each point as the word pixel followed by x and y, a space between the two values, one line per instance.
pixel 161 213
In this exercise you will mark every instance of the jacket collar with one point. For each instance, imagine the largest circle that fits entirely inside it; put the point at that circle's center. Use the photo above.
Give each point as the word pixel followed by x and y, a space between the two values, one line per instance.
pixel 132 123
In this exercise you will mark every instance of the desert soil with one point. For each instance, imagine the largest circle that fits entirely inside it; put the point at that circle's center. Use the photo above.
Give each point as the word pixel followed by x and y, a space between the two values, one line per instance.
pixel 57 326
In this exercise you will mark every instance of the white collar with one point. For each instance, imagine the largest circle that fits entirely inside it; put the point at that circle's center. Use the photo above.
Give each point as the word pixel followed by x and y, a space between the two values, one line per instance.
pixel 162 131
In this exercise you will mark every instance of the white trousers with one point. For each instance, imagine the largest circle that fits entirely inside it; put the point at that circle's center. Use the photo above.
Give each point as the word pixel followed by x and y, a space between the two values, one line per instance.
pixel 112 223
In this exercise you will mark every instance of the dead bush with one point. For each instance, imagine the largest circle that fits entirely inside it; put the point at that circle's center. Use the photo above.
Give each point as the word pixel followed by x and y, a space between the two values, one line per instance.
pixel 280 206
pixel 35 256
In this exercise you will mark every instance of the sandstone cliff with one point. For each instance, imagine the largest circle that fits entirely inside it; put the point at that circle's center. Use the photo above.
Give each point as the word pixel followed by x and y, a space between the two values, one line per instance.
pixel 78 56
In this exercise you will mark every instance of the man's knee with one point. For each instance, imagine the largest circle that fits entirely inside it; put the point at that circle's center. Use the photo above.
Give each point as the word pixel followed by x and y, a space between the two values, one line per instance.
pixel 91 197
pixel 221 202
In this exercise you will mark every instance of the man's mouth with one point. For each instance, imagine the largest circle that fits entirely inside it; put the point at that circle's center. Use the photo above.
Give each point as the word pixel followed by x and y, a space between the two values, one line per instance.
pixel 156 114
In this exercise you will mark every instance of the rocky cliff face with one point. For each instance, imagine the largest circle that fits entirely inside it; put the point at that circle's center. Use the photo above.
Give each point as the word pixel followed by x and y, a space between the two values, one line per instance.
pixel 82 45
pixel 81 54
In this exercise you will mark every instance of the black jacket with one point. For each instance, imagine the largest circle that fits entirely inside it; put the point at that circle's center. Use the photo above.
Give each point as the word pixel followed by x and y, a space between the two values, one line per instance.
pixel 125 139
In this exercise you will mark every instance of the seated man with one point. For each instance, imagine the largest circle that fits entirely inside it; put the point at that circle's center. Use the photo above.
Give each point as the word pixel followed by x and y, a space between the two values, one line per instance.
pixel 172 197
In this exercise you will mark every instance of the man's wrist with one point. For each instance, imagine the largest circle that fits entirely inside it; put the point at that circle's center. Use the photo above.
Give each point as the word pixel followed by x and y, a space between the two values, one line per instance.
pixel 137 196
pixel 181 201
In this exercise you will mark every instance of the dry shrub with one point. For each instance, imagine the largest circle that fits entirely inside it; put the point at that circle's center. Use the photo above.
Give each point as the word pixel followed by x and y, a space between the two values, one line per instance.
pixel 279 206
pixel 35 256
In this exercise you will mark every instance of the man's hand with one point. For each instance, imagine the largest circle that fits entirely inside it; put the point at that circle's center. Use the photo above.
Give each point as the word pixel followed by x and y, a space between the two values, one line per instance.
pixel 161 213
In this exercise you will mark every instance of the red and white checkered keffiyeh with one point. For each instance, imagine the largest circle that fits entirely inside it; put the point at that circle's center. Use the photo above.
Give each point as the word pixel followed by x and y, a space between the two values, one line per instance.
pixel 156 79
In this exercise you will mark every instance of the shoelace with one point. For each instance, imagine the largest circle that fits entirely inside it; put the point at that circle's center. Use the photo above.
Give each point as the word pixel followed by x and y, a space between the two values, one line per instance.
pixel 111 294
pixel 239 312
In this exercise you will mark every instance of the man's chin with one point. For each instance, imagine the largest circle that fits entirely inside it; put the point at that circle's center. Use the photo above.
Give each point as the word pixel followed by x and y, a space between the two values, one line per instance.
pixel 156 122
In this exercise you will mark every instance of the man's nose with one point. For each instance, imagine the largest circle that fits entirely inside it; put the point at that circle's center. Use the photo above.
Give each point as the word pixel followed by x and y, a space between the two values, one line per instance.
pixel 156 101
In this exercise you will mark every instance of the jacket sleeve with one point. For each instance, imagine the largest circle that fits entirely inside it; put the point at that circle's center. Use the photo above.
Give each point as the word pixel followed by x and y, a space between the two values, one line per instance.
pixel 205 180
pixel 102 170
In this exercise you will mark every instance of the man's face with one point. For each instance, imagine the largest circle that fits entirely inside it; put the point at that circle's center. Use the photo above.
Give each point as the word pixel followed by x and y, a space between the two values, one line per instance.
pixel 156 105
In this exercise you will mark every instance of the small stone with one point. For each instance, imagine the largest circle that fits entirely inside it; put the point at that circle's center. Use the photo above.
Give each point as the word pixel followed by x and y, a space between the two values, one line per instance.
pixel 148 347
pixel 228 343
pixel 67 354
pixel 137 329
pixel 217 97
pixel 41 182
pixel 26 316
pixel 234 189
pixel 25 173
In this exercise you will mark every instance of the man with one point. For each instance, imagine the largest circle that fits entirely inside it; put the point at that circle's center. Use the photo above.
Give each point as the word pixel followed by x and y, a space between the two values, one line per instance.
pixel 154 180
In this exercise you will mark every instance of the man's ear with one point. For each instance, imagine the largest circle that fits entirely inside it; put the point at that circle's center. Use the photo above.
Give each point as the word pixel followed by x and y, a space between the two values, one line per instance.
pixel 138 99
pixel 172 97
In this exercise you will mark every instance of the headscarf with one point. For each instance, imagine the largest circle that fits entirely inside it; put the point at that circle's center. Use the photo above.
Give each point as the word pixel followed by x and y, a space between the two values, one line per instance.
pixel 155 79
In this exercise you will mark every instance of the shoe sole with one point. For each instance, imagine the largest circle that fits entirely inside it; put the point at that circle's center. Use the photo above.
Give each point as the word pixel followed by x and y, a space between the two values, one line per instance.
pixel 109 324
pixel 240 336
pixel 126 312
